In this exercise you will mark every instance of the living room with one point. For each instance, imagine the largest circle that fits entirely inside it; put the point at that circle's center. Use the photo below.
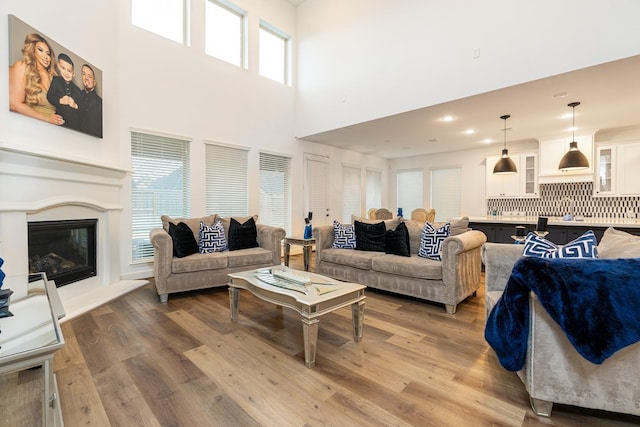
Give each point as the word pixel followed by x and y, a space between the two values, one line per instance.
pixel 162 87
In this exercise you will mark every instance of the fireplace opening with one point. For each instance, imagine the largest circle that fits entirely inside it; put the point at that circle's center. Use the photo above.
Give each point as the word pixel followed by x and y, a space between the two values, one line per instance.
pixel 64 250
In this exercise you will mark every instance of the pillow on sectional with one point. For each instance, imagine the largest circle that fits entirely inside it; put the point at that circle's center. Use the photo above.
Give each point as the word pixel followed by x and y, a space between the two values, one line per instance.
pixel 242 236
pixel 370 237
pixel 193 223
pixel 618 244
pixel 431 240
pixel 584 246
pixel 184 244
pixel 396 242
pixel 344 236
pixel 212 238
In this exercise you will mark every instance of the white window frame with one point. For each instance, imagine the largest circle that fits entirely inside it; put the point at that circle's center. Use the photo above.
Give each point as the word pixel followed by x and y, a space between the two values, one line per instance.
pixel 409 190
pixel 275 210
pixel 226 180
pixel 225 6
pixel 270 30
pixel 155 16
pixel 155 158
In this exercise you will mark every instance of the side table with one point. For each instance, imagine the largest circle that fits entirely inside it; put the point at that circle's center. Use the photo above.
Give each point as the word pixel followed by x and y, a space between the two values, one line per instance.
pixel 306 244
pixel 31 336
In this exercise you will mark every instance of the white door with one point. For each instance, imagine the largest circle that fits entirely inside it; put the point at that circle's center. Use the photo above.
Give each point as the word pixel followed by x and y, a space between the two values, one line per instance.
pixel 316 189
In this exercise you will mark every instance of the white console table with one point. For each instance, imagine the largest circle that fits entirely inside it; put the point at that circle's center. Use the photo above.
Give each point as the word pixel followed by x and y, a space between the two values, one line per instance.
pixel 29 338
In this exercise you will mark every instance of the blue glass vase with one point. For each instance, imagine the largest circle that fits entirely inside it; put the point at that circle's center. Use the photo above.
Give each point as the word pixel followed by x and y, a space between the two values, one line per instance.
pixel 308 234
pixel 2 275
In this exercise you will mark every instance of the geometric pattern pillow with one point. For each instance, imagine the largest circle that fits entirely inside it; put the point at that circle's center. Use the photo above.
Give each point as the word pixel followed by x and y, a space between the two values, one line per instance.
pixel 431 240
pixel 344 236
pixel 212 238
pixel 585 246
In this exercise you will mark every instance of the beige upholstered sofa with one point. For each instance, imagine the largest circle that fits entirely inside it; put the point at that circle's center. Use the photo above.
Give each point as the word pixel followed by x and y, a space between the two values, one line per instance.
pixel 198 271
pixel 554 372
pixel 449 281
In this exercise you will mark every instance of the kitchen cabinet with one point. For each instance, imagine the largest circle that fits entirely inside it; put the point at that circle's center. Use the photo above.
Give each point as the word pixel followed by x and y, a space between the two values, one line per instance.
pixel 551 151
pixel 523 183
pixel 617 171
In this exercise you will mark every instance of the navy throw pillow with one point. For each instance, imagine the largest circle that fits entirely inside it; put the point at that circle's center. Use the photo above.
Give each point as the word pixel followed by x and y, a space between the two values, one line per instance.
pixel 370 237
pixel 242 236
pixel 396 242
pixel 184 244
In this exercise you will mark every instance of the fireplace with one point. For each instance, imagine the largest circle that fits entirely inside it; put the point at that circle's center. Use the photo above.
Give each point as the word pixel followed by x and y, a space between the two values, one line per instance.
pixel 64 250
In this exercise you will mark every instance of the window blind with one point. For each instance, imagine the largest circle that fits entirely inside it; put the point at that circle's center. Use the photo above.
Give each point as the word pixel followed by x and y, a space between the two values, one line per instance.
pixel 351 193
pixel 227 188
pixel 410 194
pixel 446 193
pixel 373 189
pixel 275 191
pixel 160 185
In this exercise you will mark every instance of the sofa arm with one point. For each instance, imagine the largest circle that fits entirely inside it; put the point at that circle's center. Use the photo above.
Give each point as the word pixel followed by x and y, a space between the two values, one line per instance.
pixel 270 238
pixel 461 263
pixel 499 259
pixel 324 239
pixel 162 257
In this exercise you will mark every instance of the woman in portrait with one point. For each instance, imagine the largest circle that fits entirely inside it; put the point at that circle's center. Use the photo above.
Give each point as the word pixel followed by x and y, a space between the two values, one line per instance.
pixel 30 78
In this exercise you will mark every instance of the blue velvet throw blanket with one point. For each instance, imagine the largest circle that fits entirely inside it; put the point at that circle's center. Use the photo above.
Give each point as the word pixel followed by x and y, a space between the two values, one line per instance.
pixel 596 302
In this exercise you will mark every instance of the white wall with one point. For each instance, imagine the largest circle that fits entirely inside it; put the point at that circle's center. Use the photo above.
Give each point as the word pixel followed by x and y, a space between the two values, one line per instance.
pixel 364 59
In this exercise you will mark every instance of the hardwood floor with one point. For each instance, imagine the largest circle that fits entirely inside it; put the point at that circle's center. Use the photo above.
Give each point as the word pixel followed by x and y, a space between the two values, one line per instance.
pixel 135 361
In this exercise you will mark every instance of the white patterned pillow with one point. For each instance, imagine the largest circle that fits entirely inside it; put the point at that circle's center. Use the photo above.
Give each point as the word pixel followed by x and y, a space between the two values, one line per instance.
pixel 584 246
pixel 431 240
pixel 212 238
pixel 344 236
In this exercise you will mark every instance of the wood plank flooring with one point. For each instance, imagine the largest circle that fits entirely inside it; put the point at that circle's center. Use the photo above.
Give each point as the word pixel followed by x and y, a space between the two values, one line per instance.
pixel 136 362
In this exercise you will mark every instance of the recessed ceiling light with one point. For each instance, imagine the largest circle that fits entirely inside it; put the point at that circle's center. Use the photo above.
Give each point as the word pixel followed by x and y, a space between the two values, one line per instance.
pixel 469 131
pixel 487 141
pixel 566 116
pixel 447 118
pixel 433 140
pixel 560 94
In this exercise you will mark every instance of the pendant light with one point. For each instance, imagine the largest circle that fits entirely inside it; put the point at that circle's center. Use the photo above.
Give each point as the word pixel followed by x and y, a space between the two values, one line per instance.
pixel 573 159
pixel 505 165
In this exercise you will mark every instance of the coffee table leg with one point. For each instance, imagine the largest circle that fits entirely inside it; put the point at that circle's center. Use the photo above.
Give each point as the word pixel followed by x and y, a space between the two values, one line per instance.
pixel 310 332
pixel 357 312
pixel 234 300
pixel 287 251
pixel 306 250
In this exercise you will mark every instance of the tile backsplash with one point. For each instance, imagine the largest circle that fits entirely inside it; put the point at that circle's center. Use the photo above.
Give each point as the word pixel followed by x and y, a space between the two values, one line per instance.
pixel 559 199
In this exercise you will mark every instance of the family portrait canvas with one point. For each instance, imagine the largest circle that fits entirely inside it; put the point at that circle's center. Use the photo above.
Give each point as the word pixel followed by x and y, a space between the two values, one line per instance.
pixel 48 82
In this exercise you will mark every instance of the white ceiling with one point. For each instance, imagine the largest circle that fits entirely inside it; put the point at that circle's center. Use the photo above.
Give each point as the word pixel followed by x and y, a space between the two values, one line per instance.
pixel 609 95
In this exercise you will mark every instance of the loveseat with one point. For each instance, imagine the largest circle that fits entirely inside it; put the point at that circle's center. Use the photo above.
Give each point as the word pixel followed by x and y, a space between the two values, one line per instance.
pixel 204 270
pixel 553 370
pixel 448 281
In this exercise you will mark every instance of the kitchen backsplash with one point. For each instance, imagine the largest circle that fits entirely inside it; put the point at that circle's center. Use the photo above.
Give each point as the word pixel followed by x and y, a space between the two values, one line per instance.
pixel 558 200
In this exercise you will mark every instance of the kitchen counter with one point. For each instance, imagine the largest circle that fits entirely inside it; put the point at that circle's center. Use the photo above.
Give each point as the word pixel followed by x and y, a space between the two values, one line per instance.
pixel 533 220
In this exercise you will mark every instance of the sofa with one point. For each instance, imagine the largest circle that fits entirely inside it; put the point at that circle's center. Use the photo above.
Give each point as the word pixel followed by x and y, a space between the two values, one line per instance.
pixel 553 370
pixel 205 270
pixel 447 281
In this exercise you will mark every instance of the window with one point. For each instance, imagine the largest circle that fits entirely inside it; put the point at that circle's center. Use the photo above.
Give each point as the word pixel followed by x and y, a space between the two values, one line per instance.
pixel 159 186
pixel 351 191
pixel 445 193
pixel 227 189
pixel 374 190
pixel 410 193
pixel 273 53
pixel 225 34
pixel 275 190
pixel 167 18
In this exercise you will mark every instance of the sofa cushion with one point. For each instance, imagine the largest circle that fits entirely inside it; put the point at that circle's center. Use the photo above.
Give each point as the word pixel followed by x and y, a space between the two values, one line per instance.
pixel 415 234
pixel 396 241
pixel 249 257
pixel 193 223
pixel 226 222
pixel 414 266
pixel 618 244
pixel 457 226
pixel 344 236
pixel 431 240
pixel 584 246
pixel 390 224
pixel 212 238
pixel 242 236
pixel 184 244
pixel 350 257
pixel 200 262
pixel 370 237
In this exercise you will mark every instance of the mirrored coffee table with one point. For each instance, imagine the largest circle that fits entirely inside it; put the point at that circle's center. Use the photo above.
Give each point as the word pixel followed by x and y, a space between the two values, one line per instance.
pixel 320 296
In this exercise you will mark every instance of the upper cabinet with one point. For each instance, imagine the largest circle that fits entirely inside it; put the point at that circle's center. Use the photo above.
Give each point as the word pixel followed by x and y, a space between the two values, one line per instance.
pixel 617 171
pixel 551 152
pixel 524 183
